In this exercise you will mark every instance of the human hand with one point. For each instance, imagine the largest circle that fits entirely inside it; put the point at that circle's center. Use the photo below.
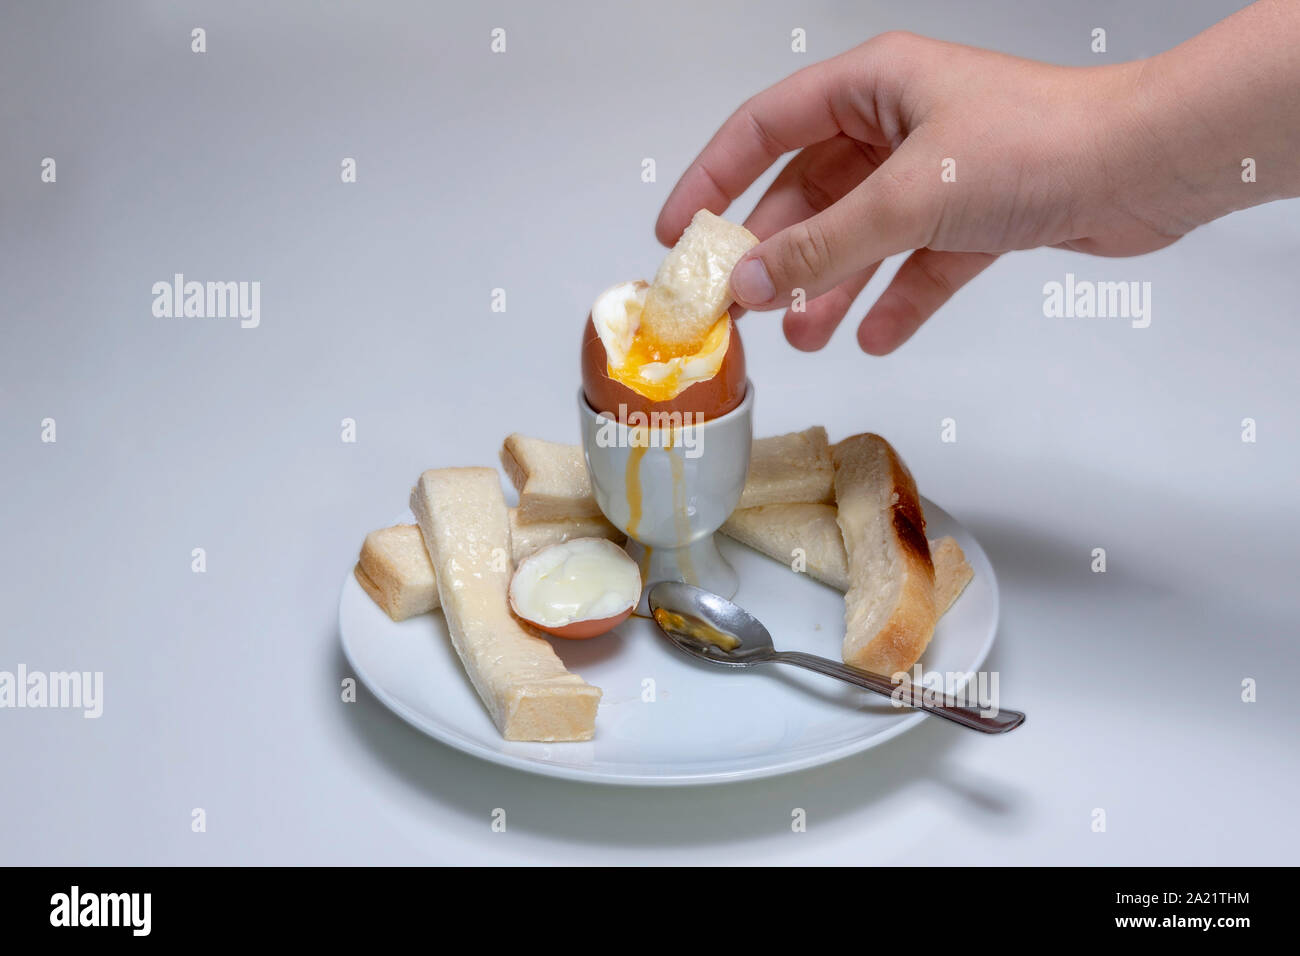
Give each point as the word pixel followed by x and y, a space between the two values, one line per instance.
pixel 1110 160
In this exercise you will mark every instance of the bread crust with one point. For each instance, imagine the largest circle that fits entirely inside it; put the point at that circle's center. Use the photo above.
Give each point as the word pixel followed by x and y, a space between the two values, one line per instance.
pixel 795 467
pixel 394 569
pixel 777 530
pixel 889 619
pixel 551 479
pixel 952 572
pixel 370 587
pixel 510 462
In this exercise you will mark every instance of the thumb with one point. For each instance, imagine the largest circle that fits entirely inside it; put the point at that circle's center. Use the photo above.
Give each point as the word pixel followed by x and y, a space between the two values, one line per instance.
pixel 895 209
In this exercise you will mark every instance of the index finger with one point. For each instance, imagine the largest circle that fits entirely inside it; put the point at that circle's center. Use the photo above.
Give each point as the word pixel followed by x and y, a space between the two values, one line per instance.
pixel 804 108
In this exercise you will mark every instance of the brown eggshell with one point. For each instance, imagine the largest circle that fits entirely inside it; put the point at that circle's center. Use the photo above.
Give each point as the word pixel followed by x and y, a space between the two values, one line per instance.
pixel 588 627
pixel 581 630
pixel 712 399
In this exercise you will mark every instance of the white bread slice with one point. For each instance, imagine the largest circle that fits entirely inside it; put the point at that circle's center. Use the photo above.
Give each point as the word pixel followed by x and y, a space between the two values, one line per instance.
pixel 795 467
pixel 553 484
pixel 396 572
pixel 551 479
pixel 777 530
pixel 692 288
pixel 521 680
pixel 889 608
pixel 533 536
pixel 394 569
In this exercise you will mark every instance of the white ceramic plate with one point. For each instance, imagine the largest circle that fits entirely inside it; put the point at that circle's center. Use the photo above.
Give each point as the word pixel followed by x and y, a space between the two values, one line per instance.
pixel 666 719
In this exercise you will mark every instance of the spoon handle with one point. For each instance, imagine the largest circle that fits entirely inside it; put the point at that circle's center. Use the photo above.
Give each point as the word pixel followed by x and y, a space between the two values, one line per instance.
pixel 910 695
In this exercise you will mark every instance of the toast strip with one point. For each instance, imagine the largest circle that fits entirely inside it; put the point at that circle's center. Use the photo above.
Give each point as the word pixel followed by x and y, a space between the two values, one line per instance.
pixel 521 680
pixel 777 530
pixel 889 608
pixel 795 467
pixel 527 538
pixel 396 572
pixel 551 479
pixel 692 288
pixel 553 484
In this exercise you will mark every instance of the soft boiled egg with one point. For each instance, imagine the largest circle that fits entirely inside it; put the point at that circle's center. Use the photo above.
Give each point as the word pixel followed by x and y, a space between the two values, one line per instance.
pixel 578 589
pixel 624 370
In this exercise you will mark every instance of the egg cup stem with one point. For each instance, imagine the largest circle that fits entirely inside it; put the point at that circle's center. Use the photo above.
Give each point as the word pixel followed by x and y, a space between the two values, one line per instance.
pixel 669 493
pixel 700 564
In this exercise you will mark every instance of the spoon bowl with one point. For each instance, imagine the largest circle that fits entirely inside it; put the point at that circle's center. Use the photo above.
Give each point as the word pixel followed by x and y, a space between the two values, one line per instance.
pixel 701 623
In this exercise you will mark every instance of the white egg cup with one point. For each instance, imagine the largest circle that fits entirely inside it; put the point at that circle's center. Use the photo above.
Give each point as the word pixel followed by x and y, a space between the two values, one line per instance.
pixel 669 489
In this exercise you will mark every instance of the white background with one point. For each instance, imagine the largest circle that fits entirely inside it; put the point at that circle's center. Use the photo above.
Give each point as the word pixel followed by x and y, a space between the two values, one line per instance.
pixel 523 171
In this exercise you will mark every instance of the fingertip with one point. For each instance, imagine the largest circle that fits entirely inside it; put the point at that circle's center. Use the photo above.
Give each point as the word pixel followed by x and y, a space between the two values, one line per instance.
pixel 811 330
pixel 751 285
pixel 876 332
pixel 670 224
pixel 798 334
pixel 695 190
pixel 663 229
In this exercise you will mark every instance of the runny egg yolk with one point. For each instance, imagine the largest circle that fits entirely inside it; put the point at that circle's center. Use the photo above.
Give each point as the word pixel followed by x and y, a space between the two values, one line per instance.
pixel 656 371
pixel 661 373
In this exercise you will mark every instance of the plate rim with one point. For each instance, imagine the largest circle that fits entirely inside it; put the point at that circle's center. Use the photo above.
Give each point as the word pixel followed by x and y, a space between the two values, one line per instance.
pixel 452 738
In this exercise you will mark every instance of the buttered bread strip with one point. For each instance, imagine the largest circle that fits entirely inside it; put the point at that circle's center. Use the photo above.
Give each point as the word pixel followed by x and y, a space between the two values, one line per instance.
pixel 553 484
pixel 811 532
pixel 521 680
pixel 396 572
pixel 779 531
pixel 551 479
pixel 889 608
pixel 790 468
pixel 525 538
pixel 692 288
